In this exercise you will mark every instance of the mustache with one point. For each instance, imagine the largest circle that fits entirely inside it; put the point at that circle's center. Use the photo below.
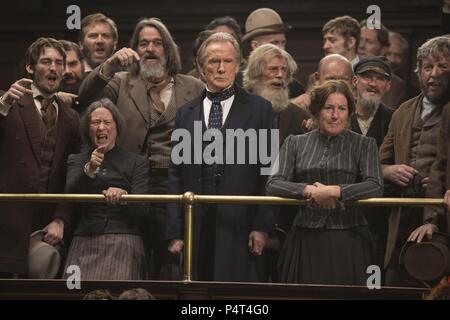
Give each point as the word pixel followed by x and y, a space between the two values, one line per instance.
pixel 149 55
pixel 374 90
pixel 281 83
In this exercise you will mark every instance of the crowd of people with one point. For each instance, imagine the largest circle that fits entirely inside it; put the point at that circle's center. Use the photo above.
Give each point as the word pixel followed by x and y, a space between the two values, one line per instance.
pixel 352 132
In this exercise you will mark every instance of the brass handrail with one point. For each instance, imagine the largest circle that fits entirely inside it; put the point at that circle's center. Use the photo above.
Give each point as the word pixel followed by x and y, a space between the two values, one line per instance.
pixel 48 197
pixel 188 199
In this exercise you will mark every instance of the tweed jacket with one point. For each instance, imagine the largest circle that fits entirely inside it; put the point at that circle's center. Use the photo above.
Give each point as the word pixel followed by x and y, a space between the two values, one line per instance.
pixel 396 150
pixel 130 96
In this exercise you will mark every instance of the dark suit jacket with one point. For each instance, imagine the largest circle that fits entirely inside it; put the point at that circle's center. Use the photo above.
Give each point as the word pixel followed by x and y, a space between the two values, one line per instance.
pixel 20 147
pixel 379 126
pixel 121 169
pixel 233 260
pixel 290 121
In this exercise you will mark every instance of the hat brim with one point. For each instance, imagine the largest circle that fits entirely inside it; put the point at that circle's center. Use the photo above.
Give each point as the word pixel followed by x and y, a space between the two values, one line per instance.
pixel 264 31
pixel 415 261
pixel 374 69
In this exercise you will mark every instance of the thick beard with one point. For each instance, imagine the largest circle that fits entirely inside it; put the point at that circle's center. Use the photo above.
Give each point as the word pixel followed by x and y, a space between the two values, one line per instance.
pixel 278 98
pixel 154 71
pixel 70 88
pixel 369 105
pixel 439 100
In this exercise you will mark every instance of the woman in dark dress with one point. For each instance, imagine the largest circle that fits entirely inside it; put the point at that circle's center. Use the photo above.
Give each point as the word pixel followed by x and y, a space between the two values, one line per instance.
pixel 107 243
pixel 328 243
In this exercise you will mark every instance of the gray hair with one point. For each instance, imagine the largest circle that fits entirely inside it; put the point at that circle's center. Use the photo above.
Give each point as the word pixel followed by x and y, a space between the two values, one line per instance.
pixel 257 63
pixel 436 47
pixel 171 49
pixel 86 119
pixel 404 45
pixel 214 38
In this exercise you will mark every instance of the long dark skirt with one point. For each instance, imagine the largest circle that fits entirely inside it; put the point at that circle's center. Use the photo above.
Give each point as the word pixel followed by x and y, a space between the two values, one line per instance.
pixel 108 257
pixel 321 256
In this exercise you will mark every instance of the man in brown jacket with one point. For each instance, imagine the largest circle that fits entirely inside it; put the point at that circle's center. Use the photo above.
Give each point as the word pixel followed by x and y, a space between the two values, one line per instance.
pixel 37 134
pixel 148 97
pixel 410 146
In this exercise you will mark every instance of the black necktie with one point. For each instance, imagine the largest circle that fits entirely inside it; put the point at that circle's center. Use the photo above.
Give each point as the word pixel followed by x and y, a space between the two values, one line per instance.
pixel 48 111
pixel 216 114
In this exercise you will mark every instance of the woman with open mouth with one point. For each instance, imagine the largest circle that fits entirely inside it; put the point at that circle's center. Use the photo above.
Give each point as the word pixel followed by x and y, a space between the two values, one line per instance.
pixel 107 243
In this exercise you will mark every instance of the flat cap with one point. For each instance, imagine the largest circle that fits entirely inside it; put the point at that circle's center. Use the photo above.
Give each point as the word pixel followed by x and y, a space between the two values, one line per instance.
pixel 375 64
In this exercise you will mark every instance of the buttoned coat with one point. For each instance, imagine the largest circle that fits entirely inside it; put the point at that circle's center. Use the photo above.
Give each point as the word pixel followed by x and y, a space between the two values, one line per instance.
pixel 20 148
pixel 396 150
pixel 440 176
pixel 234 222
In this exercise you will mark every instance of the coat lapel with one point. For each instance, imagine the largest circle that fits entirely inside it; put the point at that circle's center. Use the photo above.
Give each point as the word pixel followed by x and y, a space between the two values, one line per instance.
pixel 240 112
pixel 138 94
pixel 65 127
pixel 183 93
pixel 30 117
pixel 404 134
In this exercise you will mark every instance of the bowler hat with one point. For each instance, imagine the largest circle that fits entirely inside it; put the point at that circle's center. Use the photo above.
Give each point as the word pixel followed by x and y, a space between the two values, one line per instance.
pixel 427 262
pixel 263 21
pixel 44 260
pixel 375 64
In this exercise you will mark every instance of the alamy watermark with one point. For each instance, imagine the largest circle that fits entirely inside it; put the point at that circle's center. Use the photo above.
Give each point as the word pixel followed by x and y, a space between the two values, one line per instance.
pixel 74 279
pixel 374 279
pixel 241 147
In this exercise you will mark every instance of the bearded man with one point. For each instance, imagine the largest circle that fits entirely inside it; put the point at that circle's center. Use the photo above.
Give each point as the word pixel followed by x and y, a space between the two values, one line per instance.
pixel 372 80
pixel 148 96
pixel 268 74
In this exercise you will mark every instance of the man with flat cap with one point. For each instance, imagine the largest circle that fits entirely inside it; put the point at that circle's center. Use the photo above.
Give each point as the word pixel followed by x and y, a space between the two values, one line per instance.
pixel 265 25
pixel 371 82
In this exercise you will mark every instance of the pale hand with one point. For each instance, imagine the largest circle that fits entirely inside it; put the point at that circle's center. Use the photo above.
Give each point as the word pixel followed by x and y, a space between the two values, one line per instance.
pixel 67 98
pixel 17 91
pixel 113 195
pixel 124 57
pixel 425 230
pixel 256 242
pixel 97 157
pixel 400 174
pixel 55 232
pixel 176 246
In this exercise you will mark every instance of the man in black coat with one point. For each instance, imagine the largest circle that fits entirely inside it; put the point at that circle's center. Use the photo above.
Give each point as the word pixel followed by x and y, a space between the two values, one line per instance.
pixel 228 240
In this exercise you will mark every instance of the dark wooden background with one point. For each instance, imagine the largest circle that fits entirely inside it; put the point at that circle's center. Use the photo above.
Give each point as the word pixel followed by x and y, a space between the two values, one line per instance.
pixel 21 22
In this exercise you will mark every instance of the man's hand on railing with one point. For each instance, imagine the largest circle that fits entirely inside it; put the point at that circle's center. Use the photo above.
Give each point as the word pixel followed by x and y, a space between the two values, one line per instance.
pixel 447 199
pixel 425 230
pixel 55 232
pixel 176 246
pixel 400 174
pixel 256 242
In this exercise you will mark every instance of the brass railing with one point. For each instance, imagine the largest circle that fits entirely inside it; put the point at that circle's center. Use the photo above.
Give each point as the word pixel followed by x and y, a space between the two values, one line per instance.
pixel 188 199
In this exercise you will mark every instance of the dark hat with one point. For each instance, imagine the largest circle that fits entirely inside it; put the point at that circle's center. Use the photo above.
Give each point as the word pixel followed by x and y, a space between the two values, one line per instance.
pixel 375 64
pixel 263 21
pixel 426 263
pixel 44 260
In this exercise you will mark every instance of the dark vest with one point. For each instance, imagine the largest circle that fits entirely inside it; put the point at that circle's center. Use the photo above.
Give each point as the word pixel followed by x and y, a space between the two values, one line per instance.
pixel 48 144
pixel 212 174
pixel 158 136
